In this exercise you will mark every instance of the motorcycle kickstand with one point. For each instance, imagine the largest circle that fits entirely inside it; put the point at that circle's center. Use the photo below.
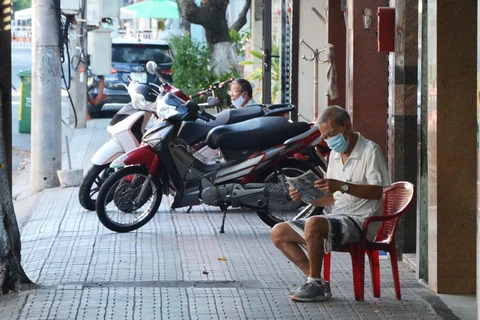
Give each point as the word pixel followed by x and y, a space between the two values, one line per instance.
pixel 281 178
pixel 189 208
pixel 224 210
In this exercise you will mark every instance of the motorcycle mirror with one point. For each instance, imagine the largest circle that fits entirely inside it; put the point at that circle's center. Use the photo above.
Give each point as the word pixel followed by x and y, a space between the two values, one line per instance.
pixel 151 67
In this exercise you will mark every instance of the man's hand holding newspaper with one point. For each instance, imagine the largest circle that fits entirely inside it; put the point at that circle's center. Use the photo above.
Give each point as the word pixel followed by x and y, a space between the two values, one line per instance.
pixel 305 184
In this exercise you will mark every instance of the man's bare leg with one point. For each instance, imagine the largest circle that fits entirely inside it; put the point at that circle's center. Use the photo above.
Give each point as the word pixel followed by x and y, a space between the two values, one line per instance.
pixel 316 230
pixel 287 240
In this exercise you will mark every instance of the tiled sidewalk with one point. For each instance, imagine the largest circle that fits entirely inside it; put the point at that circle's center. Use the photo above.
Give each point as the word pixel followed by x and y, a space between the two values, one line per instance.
pixel 170 268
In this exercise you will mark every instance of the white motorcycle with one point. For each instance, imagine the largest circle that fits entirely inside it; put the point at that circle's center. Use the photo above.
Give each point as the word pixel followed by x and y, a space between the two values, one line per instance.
pixel 126 130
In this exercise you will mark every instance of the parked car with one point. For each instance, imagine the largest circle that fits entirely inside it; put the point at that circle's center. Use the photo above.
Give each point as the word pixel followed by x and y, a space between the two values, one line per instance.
pixel 129 58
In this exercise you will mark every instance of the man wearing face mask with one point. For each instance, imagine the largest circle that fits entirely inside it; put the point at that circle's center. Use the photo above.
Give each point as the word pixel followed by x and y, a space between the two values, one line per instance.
pixel 241 93
pixel 356 176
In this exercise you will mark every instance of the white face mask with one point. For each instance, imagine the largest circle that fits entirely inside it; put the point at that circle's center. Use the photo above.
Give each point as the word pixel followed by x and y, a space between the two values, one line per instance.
pixel 239 101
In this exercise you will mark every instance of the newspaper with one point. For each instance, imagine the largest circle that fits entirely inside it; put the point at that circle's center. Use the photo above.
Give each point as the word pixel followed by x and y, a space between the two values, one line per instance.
pixel 305 185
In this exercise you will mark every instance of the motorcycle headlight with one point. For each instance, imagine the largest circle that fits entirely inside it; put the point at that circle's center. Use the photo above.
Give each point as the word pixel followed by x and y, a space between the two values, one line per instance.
pixel 165 110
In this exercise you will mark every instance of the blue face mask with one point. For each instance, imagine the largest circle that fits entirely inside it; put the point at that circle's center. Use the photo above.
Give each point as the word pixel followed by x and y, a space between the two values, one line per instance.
pixel 337 143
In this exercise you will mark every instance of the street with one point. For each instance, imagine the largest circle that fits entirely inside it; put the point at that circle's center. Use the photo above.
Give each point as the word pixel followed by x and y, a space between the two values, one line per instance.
pixel 21 142
pixel 21 60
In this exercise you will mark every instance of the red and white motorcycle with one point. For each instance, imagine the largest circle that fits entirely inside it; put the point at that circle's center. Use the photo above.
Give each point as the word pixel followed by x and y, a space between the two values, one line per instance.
pixel 126 129
pixel 255 156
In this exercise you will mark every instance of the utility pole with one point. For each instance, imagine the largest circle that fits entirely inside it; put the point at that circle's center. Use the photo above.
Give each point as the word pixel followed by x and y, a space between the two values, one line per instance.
pixel 46 96
pixel 6 81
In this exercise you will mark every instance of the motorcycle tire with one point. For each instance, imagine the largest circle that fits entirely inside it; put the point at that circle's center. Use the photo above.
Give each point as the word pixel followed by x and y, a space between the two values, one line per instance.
pixel 116 206
pixel 289 167
pixel 90 185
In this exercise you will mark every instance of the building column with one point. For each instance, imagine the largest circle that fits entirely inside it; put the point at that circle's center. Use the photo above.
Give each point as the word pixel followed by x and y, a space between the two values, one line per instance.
pixel 478 160
pixel 337 37
pixel 422 179
pixel 402 124
pixel 452 124
pixel 366 74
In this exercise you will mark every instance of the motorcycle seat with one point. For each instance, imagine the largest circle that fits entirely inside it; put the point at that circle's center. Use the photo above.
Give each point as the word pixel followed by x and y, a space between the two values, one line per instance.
pixel 195 131
pixel 258 133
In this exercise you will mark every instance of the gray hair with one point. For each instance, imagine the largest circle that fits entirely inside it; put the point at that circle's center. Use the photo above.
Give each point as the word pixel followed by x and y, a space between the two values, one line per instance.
pixel 245 85
pixel 335 113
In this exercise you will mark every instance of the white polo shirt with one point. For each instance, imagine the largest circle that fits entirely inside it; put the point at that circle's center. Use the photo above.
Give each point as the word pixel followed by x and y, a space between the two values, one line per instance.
pixel 366 165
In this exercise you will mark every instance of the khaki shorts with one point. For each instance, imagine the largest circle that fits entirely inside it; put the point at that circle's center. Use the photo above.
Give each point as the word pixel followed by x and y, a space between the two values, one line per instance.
pixel 343 229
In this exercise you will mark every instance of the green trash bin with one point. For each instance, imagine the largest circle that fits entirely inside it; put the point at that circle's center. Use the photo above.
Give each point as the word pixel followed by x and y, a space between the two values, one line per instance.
pixel 25 110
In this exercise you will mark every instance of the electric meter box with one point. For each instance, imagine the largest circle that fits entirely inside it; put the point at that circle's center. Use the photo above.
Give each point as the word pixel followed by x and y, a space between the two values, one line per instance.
pixel 99 47
pixel 93 12
pixel 70 7
pixel 98 9
pixel 110 8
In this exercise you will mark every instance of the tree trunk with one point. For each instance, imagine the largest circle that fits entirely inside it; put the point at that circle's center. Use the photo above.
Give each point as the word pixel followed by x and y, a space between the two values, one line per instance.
pixel 217 34
pixel 242 16
pixel 12 275
pixel 184 23
pixel 224 58
pixel 186 26
pixel 212 16
pixel 6 82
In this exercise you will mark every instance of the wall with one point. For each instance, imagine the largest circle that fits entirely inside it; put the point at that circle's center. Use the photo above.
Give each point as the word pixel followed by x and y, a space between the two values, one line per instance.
pixel 452 169
pixel 366 75
pixel 337 37
pixel 478 161
pixel 314 32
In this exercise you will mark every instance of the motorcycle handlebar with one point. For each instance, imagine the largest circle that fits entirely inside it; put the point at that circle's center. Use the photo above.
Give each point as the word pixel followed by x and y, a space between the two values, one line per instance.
pixel 214 86
pixel 154 85
pixel 159 88
pixel 160 77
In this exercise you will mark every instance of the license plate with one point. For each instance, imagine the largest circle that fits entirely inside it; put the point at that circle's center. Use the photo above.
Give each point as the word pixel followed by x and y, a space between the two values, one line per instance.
pixel 139 76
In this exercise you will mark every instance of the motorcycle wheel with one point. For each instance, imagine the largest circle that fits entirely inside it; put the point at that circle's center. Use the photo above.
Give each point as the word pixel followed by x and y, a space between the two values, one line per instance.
pixel 91 183
pixel 116 207
pixel 291 168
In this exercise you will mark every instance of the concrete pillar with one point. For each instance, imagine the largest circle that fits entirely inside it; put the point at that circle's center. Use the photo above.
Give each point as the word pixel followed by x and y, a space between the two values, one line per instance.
pixel 366 78
pixel 46 98
pixel 478 161
pixel 452 124
pixel 422 134
pixel 402 125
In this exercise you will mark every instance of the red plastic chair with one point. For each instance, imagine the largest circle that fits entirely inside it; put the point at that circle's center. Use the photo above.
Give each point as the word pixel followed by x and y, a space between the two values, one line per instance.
pixel 397 198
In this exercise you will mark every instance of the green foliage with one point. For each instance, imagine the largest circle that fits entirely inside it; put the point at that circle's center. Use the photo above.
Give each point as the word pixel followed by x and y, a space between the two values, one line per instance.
pixel 21 4
pixel 191 67
pixel 257 74
pixel 238 40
